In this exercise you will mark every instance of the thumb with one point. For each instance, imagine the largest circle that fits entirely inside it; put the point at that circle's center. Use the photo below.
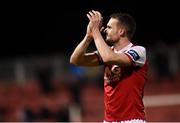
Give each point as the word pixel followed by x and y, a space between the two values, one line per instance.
pixel 102 28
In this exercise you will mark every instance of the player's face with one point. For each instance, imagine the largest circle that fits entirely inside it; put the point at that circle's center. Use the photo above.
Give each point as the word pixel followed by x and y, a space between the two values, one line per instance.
pixel 112 31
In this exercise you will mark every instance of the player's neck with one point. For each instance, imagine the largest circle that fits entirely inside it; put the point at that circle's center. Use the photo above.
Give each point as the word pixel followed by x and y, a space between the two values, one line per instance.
pixel 122 43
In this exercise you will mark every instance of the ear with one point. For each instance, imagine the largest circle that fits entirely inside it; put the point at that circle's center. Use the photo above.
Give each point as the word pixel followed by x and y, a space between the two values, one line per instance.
pixel 121 31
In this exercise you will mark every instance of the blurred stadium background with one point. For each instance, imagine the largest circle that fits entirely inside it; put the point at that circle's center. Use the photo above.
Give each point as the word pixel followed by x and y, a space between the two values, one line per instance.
pixel 37 83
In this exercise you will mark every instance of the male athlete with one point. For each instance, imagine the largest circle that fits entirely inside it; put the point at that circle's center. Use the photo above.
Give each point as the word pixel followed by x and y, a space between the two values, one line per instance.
pixel 125 65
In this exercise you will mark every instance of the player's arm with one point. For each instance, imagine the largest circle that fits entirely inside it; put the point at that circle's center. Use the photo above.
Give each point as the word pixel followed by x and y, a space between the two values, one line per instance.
pixel 110 57
pixel 81 58
pixel 135 55
pixel 106 53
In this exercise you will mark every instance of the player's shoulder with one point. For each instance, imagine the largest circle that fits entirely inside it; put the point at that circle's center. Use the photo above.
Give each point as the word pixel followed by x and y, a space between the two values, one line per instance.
pixel 138 54
pixel 138 47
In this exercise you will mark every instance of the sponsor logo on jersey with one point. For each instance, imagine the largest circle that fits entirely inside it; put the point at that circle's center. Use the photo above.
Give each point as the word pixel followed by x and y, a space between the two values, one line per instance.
pixel 134 54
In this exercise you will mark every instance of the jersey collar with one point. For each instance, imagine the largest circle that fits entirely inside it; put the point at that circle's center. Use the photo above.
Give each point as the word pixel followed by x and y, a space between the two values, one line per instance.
pixel 123 49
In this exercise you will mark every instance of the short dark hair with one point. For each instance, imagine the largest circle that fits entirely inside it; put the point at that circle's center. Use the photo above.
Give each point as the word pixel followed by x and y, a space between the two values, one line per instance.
pixel 127 21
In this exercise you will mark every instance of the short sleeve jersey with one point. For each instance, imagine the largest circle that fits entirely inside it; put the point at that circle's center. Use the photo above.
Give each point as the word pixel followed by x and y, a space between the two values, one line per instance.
pixel 124 86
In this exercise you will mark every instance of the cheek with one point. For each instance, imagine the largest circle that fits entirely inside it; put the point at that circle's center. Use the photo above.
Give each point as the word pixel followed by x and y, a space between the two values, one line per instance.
pixel 113 34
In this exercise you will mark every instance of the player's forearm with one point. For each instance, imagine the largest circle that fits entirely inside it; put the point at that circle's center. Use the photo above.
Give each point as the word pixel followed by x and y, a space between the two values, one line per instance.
pixel 107 55
pixel 79 52
pixel 104 50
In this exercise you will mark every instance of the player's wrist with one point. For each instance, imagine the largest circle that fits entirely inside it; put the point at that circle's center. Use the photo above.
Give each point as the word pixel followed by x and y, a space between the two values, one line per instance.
pixel 88 37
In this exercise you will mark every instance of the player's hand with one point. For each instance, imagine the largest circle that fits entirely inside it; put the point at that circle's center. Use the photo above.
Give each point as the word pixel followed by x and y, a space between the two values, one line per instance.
pixel 95 21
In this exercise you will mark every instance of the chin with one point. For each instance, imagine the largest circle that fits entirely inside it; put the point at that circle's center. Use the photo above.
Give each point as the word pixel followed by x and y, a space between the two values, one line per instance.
pixel 110 43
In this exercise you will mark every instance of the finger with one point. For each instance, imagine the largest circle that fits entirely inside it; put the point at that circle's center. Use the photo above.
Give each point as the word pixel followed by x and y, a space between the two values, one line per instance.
pixel 93 16
pixel 99 15
pixel 91 13
pixel 95 13
pixel 102 28
pixel 89 17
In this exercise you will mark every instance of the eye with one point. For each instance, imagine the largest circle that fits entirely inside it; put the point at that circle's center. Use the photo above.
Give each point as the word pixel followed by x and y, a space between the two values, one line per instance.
pixel 108 27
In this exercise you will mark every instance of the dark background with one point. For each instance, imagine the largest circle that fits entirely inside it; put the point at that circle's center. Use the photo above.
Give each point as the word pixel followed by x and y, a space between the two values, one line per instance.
pixel 54 29
pixel 32 28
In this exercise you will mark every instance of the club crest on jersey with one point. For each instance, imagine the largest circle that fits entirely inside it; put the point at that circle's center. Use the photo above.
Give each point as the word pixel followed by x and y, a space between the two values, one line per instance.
pixel 134 54
pixel 112 74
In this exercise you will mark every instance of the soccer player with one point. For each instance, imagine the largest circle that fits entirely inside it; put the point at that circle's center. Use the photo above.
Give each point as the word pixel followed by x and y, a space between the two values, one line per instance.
pixel 125 65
